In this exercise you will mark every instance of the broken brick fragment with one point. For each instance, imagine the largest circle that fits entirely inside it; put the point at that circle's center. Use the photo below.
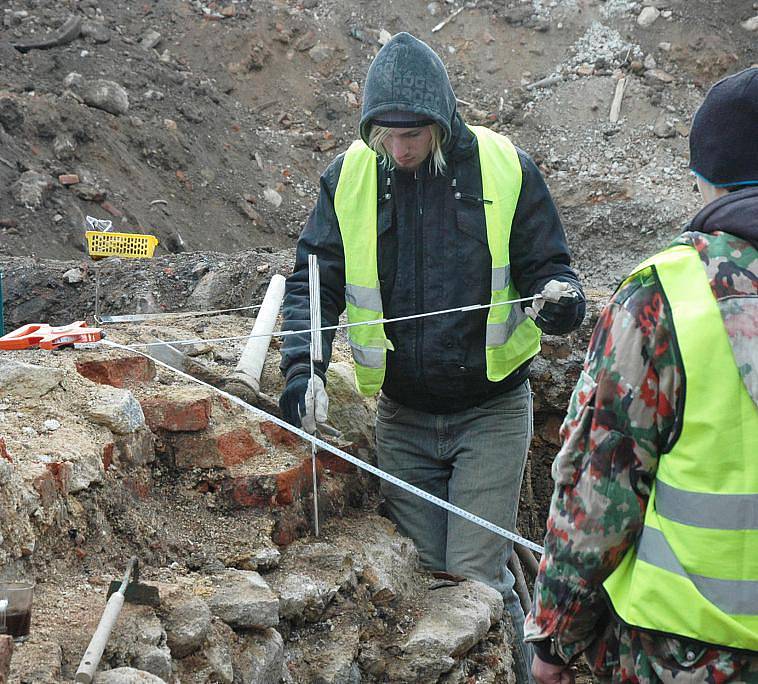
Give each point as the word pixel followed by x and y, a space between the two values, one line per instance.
pixel 118 371
pixel 278 436
pixel 177 412
pixel 4 450
pixel 215 450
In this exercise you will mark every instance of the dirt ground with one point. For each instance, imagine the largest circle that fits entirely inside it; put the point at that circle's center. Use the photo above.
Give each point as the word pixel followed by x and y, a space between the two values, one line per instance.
pixel 234 109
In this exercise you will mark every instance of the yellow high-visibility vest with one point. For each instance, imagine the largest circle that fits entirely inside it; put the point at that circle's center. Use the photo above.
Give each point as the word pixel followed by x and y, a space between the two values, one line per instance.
pixel 694 570
pixel 511 337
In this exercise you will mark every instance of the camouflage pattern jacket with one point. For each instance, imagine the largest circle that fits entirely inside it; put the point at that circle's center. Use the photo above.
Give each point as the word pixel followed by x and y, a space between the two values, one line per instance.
pixel 620 418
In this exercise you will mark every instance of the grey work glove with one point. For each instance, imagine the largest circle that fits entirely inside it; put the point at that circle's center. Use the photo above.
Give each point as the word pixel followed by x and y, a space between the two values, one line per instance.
pixel 298 405
pixel 555 312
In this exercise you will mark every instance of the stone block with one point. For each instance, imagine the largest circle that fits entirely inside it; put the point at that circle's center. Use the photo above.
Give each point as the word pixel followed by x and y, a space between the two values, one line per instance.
pixel 137 448
pixel 116 370
pixel 261 659
pixel 183 410
pixel 243 599
pixel 215 450
pixel 27 380
pixel 187 626
pixel 116 409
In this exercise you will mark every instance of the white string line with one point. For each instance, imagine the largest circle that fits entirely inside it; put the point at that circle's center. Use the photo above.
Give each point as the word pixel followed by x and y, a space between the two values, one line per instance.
pixel 285 333
pixel 129 318
pixel 344 455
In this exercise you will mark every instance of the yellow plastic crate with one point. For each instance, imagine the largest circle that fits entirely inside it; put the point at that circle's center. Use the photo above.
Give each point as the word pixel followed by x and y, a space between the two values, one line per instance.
pixel 128 245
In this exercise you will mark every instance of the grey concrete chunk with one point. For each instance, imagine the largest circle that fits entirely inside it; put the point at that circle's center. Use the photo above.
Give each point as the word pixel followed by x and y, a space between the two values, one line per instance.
pixel 26 380
pixel 116 409
pixel 127 675
pixel 187 626
pixel 456 619
pixel 262 657
pixel 31 189
pixel 242 598
pixel 303 598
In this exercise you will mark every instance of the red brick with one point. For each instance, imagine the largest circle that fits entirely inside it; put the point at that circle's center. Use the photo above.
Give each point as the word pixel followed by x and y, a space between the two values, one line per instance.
pixel 111 209
pixel 68 179
pixel 6 651
pixel 333 463
pixel 44 484
pixel 61 472
pixel 118 371
pixel 108 455
pixel 4 451
pixel 278 436
pixel 215 450
pixel 293 483
pixel 188 414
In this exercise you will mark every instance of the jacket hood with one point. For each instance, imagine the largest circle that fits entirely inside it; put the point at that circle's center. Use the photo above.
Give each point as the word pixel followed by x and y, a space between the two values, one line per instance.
pixel 735 213
pixel 407 75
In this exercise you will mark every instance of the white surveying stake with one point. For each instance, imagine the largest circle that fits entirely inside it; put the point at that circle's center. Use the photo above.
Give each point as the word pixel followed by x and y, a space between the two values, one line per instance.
pixel 314 292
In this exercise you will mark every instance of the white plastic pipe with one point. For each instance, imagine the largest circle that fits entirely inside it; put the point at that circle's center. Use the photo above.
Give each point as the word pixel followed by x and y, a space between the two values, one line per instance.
pixel 253 356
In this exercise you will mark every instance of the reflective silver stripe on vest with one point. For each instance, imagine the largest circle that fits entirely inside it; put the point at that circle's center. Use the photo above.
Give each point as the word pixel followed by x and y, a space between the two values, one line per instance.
pixel 368 357
pixel 501 277
pixel 499 333
pixel 734 597
pixel 716 511
pixel 364 297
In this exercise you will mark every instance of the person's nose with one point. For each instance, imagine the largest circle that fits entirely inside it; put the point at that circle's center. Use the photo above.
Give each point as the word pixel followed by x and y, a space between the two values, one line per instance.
pixel 398 148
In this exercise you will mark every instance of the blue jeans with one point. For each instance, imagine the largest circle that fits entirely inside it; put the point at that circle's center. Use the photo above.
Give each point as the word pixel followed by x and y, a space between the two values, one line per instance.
pixel 475 460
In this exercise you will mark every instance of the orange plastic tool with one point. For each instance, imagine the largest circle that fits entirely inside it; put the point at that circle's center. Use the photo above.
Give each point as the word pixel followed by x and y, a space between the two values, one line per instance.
pixel 49 337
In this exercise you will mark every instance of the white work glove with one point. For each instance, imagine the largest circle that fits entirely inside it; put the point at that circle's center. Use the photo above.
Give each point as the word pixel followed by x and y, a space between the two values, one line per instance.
pixel 555 310
pixel 316 406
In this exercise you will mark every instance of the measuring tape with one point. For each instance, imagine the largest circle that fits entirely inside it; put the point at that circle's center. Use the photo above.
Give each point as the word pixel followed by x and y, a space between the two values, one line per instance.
pixel 512 536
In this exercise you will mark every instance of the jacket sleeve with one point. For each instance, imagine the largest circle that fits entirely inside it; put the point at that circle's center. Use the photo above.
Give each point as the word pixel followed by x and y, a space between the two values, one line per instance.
pixel 538 248
pixel 320 236
pixel 620 418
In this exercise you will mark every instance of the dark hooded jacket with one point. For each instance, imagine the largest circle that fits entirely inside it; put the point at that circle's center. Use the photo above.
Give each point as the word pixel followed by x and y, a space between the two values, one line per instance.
pixel 432 248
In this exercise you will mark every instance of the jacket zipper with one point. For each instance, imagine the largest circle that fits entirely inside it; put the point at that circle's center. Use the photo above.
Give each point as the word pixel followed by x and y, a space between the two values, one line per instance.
pixel 419 273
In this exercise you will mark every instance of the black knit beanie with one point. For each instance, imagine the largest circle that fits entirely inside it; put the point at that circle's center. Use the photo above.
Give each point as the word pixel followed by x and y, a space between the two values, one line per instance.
pixel 724 133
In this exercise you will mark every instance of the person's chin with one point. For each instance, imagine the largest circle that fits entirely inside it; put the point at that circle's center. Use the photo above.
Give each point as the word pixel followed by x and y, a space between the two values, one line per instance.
pixel 407 166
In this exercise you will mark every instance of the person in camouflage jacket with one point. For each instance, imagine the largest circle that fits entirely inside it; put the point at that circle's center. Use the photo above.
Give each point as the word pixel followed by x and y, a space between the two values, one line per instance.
pixel 622 416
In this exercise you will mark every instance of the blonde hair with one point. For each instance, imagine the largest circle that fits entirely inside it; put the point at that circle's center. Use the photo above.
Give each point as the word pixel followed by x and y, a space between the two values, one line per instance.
pixel 379 134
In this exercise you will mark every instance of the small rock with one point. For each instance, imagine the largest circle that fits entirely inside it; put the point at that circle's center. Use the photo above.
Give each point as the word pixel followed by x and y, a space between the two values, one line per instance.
pixel 89 193
pixel 384 37
pixel 127 675
pixel 27 380
pixel 647 16
pixel 31 189
pixel 750 24
pixel 658 75
pixel 272 197
pixel 433 8
pixel 73 276
pixel 51 425
pixel 650 62
pixel 100 94
pixel 320 53
pixel 96 30
pixel 665 46
pixel 664 128
pixel 150 40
